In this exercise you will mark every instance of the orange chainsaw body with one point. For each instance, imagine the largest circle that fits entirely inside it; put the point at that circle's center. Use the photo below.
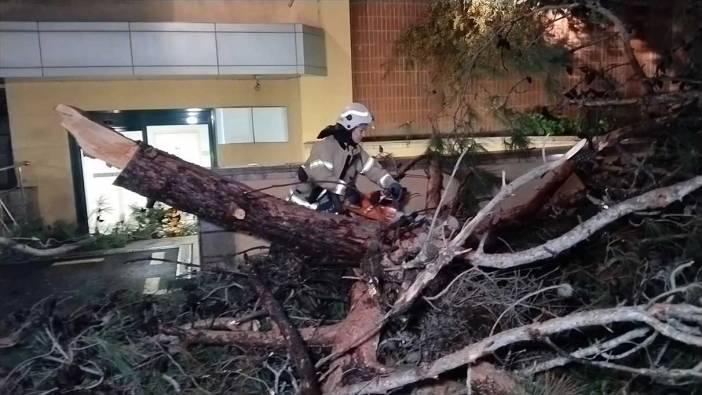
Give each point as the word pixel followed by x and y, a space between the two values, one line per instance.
pixel 376 207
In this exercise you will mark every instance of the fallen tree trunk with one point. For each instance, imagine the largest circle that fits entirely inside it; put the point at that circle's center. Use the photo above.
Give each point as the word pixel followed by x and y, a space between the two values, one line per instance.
pixel 156 174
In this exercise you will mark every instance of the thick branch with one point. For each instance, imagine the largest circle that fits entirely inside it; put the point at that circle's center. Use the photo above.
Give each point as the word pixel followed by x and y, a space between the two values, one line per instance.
pixel 659 124
pixel 536 331
pixel 296 346
pixel 659 104
pixel 402 172
pixel 557 177
pixel 322 336
pixel 44 252
pixel 446 255
pixel 488 211
pixel 656 198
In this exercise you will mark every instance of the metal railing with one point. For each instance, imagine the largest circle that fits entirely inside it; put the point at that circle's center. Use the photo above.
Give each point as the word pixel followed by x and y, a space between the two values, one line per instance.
pixel 6 217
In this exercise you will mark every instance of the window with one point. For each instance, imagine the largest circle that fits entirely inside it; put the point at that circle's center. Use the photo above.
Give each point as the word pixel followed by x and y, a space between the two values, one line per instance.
pixel 251 125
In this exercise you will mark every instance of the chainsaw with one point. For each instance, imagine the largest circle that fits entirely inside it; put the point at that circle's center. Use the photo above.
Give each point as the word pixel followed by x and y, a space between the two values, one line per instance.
pixel 379 206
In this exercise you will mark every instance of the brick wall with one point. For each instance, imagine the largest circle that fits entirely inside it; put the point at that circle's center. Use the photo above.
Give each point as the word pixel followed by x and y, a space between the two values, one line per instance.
pixel 407 101
pixel 399 98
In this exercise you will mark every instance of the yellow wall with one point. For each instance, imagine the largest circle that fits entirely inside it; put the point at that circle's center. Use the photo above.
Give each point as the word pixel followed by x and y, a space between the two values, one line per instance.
pixel 37 136
pixel 323 98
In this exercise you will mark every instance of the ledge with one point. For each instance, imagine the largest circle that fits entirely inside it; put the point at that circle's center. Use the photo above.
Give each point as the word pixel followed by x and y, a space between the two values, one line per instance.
pixel 493 144
pixel 403 151
pixel 134 49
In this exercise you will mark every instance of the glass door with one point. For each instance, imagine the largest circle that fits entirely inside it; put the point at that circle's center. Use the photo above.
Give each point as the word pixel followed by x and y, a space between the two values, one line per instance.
pixel 185 133
pixel 106 204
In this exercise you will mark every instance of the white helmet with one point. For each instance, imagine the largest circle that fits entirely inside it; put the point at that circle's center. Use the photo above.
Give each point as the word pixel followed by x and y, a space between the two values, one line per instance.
pixel 353 115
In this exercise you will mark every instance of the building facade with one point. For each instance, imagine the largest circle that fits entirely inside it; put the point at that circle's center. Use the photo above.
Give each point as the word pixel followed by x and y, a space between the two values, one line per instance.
pixel 231 84
pixel 282 69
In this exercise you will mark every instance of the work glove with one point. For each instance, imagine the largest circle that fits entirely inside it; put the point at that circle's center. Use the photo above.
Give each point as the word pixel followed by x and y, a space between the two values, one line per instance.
pixel 396 191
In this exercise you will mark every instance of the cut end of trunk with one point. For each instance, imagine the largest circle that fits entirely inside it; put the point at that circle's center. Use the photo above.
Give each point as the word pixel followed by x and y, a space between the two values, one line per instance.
pixel 239 214
pixel 96 140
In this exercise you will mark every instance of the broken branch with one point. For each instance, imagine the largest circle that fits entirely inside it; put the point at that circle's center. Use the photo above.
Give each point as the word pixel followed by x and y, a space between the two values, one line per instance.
pixel 45 252
pixel 296 346
pixel 656 198
pixel 536 331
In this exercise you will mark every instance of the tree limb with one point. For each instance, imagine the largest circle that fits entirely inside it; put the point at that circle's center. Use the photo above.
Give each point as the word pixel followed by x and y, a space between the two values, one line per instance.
pixel 586 352
pixel 656 198
pixel 322 336
pixel 296 345
pixel 44 252
pixel 454 247
pixel 532 332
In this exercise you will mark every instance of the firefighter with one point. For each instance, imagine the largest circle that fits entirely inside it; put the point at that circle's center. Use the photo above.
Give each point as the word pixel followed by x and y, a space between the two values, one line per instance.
pixel 329 174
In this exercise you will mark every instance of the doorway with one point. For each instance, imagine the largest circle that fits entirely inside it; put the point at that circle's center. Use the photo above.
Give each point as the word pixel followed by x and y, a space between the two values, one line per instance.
pixel 186 133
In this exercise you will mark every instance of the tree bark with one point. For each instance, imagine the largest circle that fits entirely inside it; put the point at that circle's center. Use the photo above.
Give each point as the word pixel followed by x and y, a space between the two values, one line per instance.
pixel 364 313
pixel 435 182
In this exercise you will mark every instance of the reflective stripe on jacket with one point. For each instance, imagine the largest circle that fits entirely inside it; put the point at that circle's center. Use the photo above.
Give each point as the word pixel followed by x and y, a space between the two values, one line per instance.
pixel 328 159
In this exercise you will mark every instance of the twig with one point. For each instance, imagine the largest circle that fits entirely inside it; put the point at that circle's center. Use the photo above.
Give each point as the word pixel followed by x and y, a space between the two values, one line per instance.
pixel 172 382
pixel 626 41
pixel 180 368
pixel 585 352
pixel 407 167
pixel 520 300
pixel 667 375
pixel 443 291
pixel 592 43
pixel 16 336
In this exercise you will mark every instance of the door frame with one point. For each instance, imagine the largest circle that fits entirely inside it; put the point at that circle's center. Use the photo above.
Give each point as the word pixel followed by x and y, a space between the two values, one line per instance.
pixel 134 120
